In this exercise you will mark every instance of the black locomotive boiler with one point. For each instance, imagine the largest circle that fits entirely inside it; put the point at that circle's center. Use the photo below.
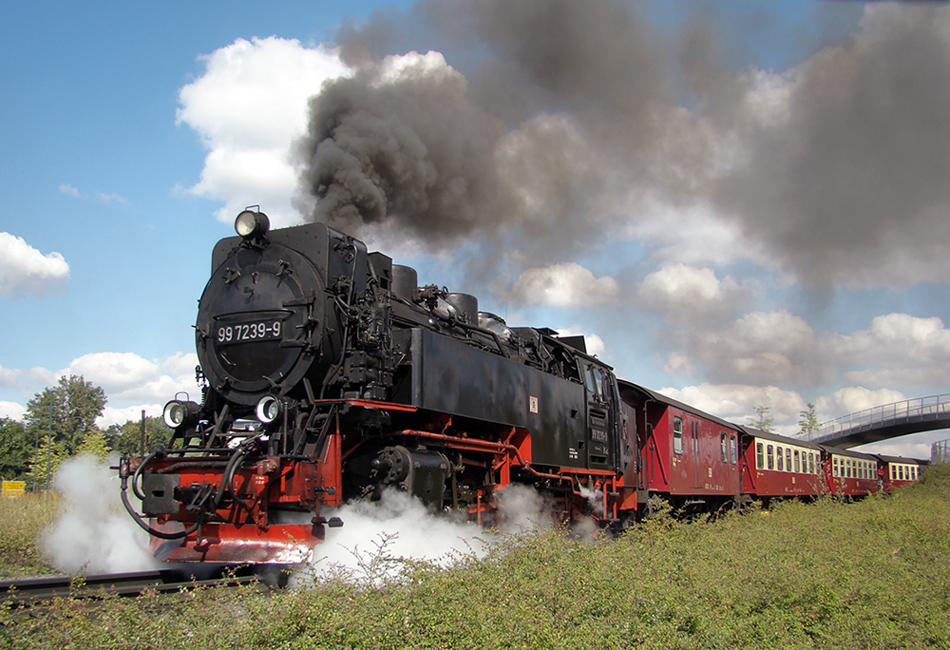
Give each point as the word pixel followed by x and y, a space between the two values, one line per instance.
pixel 329 375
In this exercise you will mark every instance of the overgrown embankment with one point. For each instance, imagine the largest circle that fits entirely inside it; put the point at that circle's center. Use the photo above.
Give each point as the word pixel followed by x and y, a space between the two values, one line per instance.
pixel 874 574
pixel 22 520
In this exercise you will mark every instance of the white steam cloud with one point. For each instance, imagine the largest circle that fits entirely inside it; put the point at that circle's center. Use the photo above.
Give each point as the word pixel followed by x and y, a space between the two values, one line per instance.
pixel 379 539
pixel 93 534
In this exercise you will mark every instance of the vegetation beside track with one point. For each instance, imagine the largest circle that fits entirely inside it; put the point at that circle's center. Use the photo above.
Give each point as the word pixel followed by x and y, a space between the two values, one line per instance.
pixel 22 520
pixel 873 574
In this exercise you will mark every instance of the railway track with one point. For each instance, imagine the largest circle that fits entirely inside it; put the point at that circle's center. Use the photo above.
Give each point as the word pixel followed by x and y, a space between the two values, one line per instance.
pixel 29 591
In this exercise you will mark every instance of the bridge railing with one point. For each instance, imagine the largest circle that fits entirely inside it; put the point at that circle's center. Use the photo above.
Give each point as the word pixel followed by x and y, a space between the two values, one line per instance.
pixel 940 452
pixel 916 409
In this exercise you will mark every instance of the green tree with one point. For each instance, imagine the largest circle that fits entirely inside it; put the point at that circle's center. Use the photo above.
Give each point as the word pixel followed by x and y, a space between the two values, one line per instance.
pixel 94 442
pixel 67 411
pixel 47 459
pixel 127 438
pixel 762 421
pixel 808 422
pixel 16 449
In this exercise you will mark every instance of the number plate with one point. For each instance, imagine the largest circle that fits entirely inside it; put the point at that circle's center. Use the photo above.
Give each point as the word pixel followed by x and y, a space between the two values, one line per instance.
pixel 264 330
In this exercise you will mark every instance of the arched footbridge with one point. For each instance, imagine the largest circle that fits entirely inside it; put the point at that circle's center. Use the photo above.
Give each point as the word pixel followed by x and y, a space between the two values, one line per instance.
pixel 888 421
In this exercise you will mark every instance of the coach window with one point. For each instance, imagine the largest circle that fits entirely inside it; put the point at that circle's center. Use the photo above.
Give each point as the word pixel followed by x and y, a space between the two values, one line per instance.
pixel 835 462
pixel 678 436
pixel 781 458
pixel 771 459
pixel 722 446
pixel 811 463
pixel 798 462
pixel 759 455
pixel 695 429
pixel 733 449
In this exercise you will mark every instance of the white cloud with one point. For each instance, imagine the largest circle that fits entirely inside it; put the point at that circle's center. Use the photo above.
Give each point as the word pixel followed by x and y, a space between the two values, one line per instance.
pixel 680 291
pixel 8 376
pixel 111 199
pixel 127 377
pixel 12 410
pixel 737 403
pixel 896 350
pixel 102 197
pixel 853 399
pixel 114 371
pixel 564 285
pixel 26 271
pixel 131 383
pixel 125 414
pixel 695 235
pixel 249 107
pixel 594 344
pixel 759 348
pixel 69 190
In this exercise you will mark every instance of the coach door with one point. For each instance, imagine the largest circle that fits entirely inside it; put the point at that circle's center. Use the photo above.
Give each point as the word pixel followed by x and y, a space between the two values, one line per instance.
pixel 697 469
pixel 601 401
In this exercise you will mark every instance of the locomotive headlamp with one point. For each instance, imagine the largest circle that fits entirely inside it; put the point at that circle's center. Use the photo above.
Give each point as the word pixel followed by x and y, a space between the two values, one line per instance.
pixel 250 223
pixel 268 409
pixel 178 413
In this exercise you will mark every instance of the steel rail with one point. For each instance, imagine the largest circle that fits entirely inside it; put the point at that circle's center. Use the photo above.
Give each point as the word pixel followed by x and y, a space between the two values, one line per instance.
pixel 20 592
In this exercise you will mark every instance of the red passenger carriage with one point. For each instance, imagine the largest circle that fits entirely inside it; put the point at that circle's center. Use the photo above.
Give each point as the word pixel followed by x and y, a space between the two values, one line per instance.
pixel 896 472
pixel 850 473
pixel 778 466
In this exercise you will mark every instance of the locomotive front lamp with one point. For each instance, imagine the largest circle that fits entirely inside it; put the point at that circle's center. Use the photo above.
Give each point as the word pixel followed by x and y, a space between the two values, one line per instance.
pixel 178 413
pixel 268 409
pixel 250 223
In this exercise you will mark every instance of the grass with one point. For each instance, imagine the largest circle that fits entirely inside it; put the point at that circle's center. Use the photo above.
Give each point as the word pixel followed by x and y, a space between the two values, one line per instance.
pixel 873 574
pixel 22 519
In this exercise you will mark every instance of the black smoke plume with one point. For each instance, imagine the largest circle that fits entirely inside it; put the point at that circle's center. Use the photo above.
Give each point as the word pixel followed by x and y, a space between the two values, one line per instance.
pixel 414 150
pixel 559 123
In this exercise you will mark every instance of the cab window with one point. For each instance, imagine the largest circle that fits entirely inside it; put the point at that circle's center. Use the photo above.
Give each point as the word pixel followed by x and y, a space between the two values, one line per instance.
pixel 595 382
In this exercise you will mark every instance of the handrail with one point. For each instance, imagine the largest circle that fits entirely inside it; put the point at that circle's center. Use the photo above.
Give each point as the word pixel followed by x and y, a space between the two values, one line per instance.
pixel 917 408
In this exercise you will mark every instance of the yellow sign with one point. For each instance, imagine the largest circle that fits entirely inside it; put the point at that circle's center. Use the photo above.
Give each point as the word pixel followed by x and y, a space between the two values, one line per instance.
pixel 13 488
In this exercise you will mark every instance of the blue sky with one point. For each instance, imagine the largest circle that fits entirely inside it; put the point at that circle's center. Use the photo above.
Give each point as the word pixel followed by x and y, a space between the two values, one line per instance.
pixel 756 217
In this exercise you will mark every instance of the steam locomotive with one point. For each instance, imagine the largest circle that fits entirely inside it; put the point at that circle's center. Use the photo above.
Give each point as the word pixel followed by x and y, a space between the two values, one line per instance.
pixel 329 375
